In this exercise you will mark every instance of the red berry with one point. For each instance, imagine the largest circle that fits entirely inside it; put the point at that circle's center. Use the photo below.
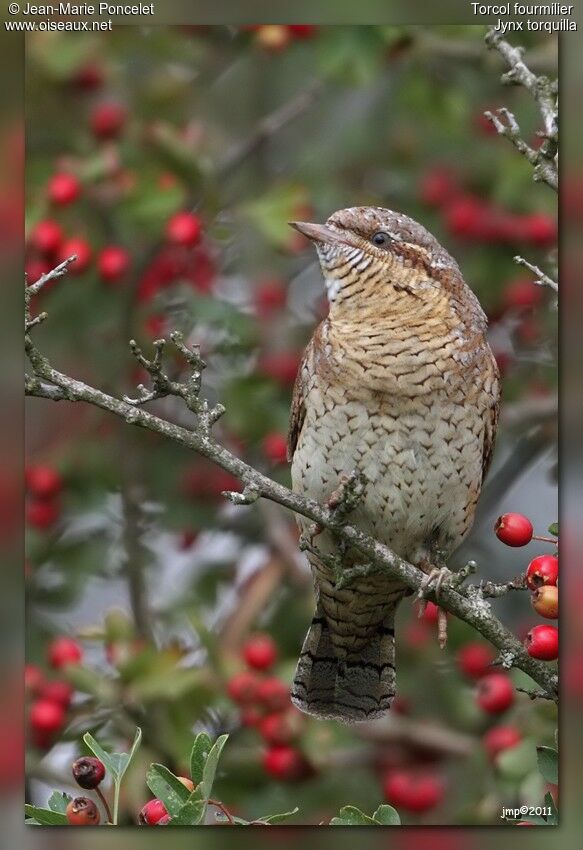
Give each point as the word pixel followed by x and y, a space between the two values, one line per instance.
pixel 437 187
pixel 270 296
pixel 495 693
pixel 152 813
pixel 522 293
pixel 275 448
pixel 285 763
pixel 46 718
pixel 430 614
pixel 302 30
pixel 188 538
pixel 63 188
pixel 413 791
pixel 112 263
pixel 243 687
pixel 33 679
pixel 47 236
pixel 41 514
pixel 43 481
pixel 514 529
pixel 273 694
pixel 88 77
pixel 59 692
pixel 35 268
pixel 474 660
pixel 542 570
pixel 540 229
pixel 464 217
pixel 542 642
pixel 184 228
pixel 63 651
pixel 250 716
pixel 273 37
pixel 88 772
pixel 82 812
pixel 281 727
pixel 545 601
pixel 281 366
pixel 500 738
pixel 81 249
pixel 260 652
pixel 108 119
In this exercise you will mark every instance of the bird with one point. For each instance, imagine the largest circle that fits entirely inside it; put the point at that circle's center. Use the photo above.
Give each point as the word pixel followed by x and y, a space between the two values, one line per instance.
pixel 398 384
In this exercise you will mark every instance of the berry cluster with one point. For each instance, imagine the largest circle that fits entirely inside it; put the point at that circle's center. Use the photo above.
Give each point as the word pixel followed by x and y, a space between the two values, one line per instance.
pixel 542 578
pixel 44 485
pixel 264 704
pixel 50 698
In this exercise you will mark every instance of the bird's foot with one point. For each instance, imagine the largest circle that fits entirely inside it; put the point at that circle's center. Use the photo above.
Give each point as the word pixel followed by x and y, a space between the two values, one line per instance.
pixel 435 579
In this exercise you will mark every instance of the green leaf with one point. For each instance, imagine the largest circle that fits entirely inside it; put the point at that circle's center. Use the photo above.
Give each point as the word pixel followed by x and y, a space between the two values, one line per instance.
pixel 198 756
pixel 191 813
pixel 351 816
pixel 58 801
pixel 278 818
pixel 553 819
pixel 210 767
pixel 387 815
pixel 45 817
pixel 548 764
pixel 554 529
pixel 168 788
pixel 516 762
pixel 115 763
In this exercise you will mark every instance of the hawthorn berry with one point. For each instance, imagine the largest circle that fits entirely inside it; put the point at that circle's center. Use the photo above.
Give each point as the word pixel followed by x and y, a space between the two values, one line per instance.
pixel 539 229
pixel 542 642
pixel 474 659
pixel 57 691
pixel 495 693
pixel 282 366
pixel 88 772
pixel 413 791
pixel 464 217
pixel 522 293
pixel 79 247
pixel 513 529
pixel 270 296
pixel 250 716
pixel 62 651
pixel 107 120
pixel 500 738
pixel 112 263
pixel 43 481
pixel 46 236
pixel 545 601
pixel 33 678
pixel 88 77
pixel 184 228
pixel 35 268
pixel 275 447
pixel 46 717
pixel 243 687
pixel 42 514
pixel 260 652
pixel 542 570
pixel 430 613
pixel 63 188
pixel 437 187
pixel 273 37
pixel 280 728
pixel 81 811
pixel 285 763
pixel 302 30
pixel 273 694
pixel 152 813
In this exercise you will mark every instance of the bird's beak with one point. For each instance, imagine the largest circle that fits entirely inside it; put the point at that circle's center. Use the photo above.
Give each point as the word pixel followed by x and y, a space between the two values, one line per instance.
pixel 316 232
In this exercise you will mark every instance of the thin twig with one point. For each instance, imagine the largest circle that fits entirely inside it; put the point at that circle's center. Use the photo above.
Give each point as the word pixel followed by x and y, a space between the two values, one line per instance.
pixel 542 279
pixel 104 803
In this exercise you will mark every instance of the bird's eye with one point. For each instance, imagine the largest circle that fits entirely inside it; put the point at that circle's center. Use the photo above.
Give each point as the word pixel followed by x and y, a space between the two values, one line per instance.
pixel 381 239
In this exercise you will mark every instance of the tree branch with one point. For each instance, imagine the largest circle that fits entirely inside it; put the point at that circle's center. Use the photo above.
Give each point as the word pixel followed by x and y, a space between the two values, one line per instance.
pixel 541 278
pixel 468 603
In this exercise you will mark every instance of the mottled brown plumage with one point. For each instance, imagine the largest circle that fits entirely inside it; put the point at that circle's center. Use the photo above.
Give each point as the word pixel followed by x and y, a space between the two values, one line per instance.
pixel 398 382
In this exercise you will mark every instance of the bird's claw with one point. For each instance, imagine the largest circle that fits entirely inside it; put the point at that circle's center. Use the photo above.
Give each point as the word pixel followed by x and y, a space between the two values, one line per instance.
pixel 437 576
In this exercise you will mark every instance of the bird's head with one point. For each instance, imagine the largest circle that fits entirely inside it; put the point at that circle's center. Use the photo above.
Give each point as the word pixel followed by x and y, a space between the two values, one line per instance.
pixel 380 259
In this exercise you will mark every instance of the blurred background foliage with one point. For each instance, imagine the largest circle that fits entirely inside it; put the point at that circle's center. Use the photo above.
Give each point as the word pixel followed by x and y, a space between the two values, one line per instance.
pixel 170 161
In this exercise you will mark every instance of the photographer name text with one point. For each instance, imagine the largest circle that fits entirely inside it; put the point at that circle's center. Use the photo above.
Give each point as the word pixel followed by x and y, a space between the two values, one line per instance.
pixel 88 9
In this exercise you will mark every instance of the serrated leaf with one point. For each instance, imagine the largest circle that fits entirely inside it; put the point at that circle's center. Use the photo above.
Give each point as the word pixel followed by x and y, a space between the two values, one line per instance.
pixel 387 815
pixel 548 764
pixel 45 817
pixel 554 529
pixel 198 756
pixel 190 814
pixel 167 787
pixel 211 764
pixel 351 816
pixel 58 801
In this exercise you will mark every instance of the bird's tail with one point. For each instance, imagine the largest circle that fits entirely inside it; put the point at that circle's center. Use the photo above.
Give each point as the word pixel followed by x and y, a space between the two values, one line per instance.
pixel 345 686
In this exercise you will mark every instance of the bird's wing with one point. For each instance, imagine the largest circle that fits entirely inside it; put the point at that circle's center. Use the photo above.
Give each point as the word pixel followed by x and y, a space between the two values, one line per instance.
pixel 298 407
pixel 491 418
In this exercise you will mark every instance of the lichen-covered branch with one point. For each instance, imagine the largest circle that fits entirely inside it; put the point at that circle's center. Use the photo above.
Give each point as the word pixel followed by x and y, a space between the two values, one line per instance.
pixel 469 604
pixel 545 92
pixel 542 279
